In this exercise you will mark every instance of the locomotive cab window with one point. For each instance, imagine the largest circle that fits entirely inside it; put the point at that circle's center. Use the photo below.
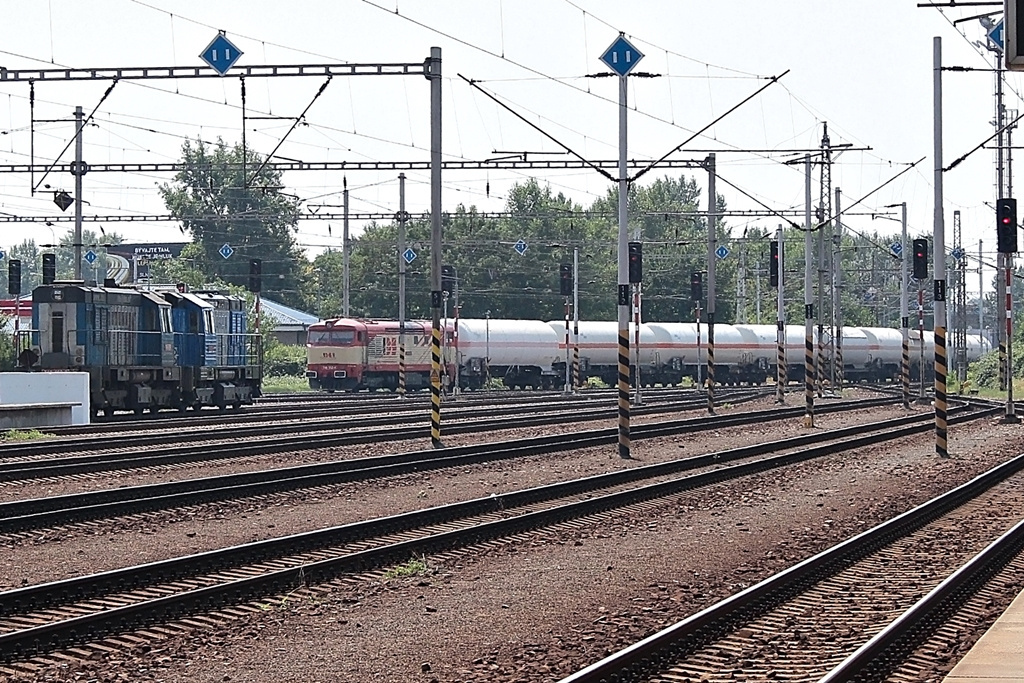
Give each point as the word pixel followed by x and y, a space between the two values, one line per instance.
pixel 208 321
pixel 193 322
pixel 165 320
pixel 333 337
pixel 57 332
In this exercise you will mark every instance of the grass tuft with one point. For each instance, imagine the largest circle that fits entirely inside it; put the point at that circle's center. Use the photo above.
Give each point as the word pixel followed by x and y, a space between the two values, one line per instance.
pixel 413 567
pixel 284 384
pixel 24 435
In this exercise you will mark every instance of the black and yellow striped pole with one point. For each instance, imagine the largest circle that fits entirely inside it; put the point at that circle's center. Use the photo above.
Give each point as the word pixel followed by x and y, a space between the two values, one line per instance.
pixel 905 307
pixel 402 217
pixel 808 301
pixel 1001 333
pixel 837 288
pixel 712 239
pixel 434 76
pixel 780 317
pixel 575 318
pixel 623 281
pixel 939 255
pixel 1011 416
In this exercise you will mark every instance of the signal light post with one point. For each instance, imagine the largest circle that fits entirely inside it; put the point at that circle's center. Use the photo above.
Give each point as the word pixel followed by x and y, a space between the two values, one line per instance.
pixel 49 268
pixel 1006 236
pixel 636 276
pixel 256 284
pixel 775 279
pixel 565 288
pixel 14 287
pixel 920 272
pixel 697 293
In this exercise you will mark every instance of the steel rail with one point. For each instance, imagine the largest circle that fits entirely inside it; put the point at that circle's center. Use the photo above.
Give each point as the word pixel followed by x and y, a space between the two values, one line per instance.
pixel 263 412
pixel 923 615
pixel 641 658
pixel 116 619
pixel 37 513
pixel 13 470
pixel 345 420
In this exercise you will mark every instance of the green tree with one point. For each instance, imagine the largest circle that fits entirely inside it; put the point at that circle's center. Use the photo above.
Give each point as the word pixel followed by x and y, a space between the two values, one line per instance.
pixel 182 269
pixel 219 203
pixel 91 241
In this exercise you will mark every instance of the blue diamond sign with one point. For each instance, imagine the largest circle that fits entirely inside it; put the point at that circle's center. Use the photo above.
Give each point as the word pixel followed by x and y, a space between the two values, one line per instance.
pixel 958 253
pixel 722 252
pixel 91 257
pixel 520 247
pixel 996 34
pixel 897 248
pixel 226 251
pixel 621 56
pixel 2 255
pixel 409 255
pixel 221 54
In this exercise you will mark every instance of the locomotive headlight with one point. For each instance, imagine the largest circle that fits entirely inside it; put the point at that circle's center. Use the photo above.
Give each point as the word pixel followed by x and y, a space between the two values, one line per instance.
pixel 79 354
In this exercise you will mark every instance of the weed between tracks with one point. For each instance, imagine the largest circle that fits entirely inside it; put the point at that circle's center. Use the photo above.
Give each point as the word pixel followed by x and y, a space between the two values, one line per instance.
pixel 23 435
pixel 413 567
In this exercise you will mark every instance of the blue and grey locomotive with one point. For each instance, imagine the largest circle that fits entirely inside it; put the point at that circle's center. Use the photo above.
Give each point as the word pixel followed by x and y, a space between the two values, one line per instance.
pixel 147 349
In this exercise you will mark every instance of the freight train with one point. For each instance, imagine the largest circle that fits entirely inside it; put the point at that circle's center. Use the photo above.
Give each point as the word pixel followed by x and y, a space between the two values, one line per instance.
pixel 145 349
pixel 350 355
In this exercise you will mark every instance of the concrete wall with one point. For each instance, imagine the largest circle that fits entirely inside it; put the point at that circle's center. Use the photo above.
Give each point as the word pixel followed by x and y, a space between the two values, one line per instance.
pixel 48 387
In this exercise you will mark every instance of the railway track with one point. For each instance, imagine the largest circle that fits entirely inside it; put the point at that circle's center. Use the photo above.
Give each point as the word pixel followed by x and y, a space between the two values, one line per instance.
pixel 173 424
pixel 34 460
pixel 882 606
pixel 41 618
pixel 361 403
pixel 19 516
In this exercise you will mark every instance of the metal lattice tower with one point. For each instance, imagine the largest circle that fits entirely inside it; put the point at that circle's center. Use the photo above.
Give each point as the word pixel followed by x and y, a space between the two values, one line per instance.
pixel 826 337
pixel 958 287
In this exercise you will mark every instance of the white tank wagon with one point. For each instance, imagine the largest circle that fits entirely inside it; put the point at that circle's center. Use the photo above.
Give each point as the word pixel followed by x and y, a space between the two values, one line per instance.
pixel 757 358
pixel 599 350
pixel 520 352
pixel 977 346
pixel 679 352
pixel 884 356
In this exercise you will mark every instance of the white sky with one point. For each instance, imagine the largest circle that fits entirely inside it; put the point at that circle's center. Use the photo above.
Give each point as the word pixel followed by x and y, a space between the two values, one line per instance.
pixel 864 67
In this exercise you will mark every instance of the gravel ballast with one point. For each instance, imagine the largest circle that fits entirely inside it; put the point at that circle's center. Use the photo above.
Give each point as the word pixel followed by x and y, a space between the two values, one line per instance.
pixel 535 610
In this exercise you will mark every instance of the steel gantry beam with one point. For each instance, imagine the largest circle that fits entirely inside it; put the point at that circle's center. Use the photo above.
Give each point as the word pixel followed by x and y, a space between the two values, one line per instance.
pixel 382 216
pixel 174 167
pixel 141 73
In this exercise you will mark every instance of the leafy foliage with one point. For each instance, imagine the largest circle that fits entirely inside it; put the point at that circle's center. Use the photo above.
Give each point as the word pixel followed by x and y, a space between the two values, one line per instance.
pixel 220 202
pixel 281 360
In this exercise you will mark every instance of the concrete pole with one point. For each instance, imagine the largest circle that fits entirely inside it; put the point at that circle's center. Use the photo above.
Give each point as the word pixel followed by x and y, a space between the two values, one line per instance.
pixel 939 255
pixel 981 291
pixel 79 172
pixel 623 277
pixel 435 246
pixel 345 277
